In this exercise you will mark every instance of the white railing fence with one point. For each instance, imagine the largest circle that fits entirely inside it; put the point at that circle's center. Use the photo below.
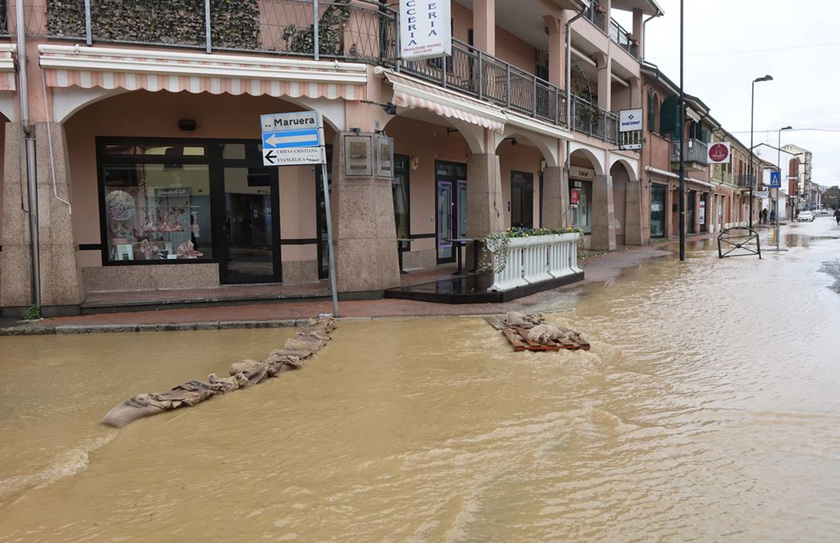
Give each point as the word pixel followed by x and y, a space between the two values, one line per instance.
pixel 533 260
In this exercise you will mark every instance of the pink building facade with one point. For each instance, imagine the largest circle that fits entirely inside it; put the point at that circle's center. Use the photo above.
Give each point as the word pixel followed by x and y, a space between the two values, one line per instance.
pixel 148 161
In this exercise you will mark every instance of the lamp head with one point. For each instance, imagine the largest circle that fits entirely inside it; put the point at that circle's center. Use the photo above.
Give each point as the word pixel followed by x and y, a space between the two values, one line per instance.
pixel 786 128
pixel 765 78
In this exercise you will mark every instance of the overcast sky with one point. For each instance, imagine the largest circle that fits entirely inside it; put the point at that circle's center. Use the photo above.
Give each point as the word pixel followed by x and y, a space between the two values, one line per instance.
pixel 729 43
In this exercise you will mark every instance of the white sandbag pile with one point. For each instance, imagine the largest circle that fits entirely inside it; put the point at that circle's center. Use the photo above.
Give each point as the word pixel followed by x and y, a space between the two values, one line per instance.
pixel 244 374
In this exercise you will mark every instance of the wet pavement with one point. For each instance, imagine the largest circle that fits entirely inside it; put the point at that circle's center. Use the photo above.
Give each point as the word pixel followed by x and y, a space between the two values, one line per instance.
pixel 706 410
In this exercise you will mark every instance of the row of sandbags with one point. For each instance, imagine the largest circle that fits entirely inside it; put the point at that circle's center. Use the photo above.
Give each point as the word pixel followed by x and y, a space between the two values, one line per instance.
pixel 538 331
pixel 244 374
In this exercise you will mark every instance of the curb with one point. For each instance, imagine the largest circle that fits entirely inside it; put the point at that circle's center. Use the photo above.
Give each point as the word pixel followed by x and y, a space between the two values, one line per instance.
pixel 76 329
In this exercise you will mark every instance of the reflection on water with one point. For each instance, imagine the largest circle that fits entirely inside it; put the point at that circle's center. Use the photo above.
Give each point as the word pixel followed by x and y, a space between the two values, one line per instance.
pixel 706 410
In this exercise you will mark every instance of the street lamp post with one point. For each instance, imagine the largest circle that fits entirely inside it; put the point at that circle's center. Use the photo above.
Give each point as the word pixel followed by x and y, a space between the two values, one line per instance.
pixel 682 141
pixel 779 162
pixel 752 128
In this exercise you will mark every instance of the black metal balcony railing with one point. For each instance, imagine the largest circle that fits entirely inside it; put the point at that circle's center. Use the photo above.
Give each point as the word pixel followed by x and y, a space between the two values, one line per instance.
pixel 345 30
pixel 623 38
pixel 694 151
pixel 589 119
pixel 487 78
pixel 595 14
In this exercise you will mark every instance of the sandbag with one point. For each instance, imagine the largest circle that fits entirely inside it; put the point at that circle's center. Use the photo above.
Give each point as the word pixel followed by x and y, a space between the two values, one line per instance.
pixel 255 371
pixel 186 394
pixel 132 409
pixel 544 334
pixel 304 343
pixel 515 319
pixel 299 354
pixel 226 384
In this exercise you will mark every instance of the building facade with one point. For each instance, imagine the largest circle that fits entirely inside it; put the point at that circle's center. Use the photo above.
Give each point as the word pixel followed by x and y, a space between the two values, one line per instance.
pixel 141 134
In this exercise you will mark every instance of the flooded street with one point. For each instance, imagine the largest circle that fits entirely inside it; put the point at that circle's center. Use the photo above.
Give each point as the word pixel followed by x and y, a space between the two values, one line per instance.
pixel 707 409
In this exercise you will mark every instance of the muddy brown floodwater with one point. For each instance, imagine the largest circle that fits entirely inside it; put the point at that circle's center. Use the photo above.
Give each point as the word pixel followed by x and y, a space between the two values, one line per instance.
pixel 707 409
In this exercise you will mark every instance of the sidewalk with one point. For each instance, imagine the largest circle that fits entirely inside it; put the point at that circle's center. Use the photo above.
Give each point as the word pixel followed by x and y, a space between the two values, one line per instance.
pixel 294 312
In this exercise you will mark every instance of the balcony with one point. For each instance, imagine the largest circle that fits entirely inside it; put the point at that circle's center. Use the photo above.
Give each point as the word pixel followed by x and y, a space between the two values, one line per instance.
pixel 695 152
pixel 475 73
pixel 352 32
pixel 624 39
pixel 587 118
pixel 745 181
pixel 346 31
pixel 596 15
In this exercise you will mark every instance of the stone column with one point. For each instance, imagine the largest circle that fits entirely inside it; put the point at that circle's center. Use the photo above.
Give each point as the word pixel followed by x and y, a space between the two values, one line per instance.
pixel 485 205
pixel 484 25
pixel 556 197
pixel 556 48
pixel 604 81
pixel 603 214
pixel 633 231
pixel 363 229
pixel 61 291
pixel 639 30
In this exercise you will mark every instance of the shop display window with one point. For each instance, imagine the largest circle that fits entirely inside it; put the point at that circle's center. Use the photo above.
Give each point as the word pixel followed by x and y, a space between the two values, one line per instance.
pixel 156 203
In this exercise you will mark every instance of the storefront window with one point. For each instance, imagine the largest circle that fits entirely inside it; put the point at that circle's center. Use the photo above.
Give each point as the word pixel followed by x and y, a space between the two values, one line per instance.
pixel 156 207
pixel 657 210
pixel 399 191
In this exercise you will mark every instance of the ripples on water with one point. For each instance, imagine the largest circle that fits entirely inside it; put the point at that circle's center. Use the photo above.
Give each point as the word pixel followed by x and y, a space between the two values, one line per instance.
pixel 706 410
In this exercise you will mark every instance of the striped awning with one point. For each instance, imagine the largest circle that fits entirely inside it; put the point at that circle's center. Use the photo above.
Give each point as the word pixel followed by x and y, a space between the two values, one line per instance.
pixel 8 77
pixel 414 94
pixel 134 69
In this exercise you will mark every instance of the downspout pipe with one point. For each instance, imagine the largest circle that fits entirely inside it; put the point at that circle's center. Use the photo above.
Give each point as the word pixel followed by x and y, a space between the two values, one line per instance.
pixel 644 31
pixel 569 72
pixel 31 177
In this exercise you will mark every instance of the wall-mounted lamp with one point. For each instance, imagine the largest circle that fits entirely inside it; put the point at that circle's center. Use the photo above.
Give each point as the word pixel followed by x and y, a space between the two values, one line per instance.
pixel 187 125
pixel 389 108
pixel 415 163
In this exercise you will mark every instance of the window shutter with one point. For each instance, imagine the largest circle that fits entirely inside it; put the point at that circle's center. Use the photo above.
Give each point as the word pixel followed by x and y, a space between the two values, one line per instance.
pixel 669 114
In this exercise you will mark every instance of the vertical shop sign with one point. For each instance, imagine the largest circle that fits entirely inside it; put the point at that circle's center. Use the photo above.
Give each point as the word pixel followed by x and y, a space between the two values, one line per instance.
pixel 425 29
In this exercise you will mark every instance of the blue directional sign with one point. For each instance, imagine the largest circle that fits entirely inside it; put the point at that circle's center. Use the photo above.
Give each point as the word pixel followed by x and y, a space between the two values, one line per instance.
pixel 295 138
pixel 775 180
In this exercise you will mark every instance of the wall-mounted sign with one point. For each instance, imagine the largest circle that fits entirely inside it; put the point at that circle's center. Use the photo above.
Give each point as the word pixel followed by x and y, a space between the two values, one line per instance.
pixel 576 172
pixel 384 157
pixel 630 129
pixel 425 29
pixel 358 156
pixel 720 153
pixel 630 120
pixel 289 139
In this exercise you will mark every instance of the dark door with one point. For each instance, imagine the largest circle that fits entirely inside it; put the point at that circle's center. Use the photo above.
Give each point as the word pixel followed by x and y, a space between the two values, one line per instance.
pixel 321 214
pixel 691 208
pixel 450 206
pixel 250 211
pixel 522 199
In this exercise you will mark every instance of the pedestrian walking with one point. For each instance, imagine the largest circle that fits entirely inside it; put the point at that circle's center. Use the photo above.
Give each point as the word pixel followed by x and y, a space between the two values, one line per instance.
pixel 837 215
pixel 764 216
pixel 772 216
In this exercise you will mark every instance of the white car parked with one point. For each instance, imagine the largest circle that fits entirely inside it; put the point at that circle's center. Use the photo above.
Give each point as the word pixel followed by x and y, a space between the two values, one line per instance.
pixel 806 216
